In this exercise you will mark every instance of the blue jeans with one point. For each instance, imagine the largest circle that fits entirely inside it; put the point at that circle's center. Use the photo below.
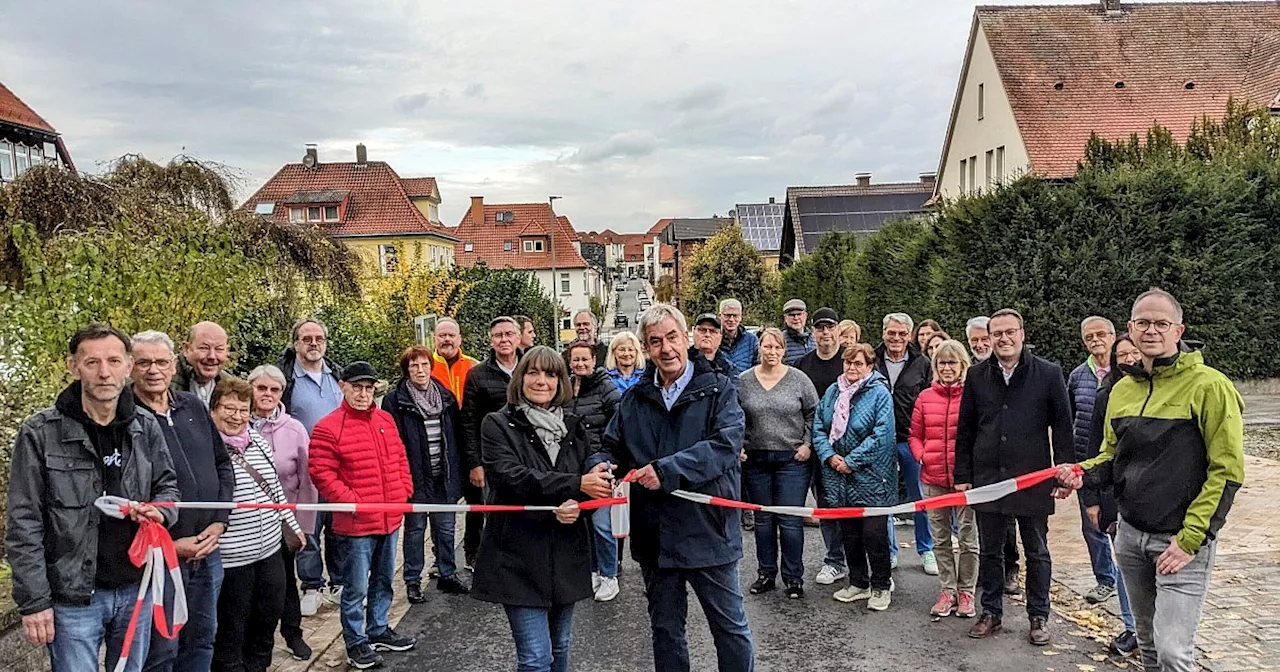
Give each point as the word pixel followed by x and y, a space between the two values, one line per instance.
pixel 911 474
pixel 774 478
pixel 79 631
pixel 370 568
pixel 604 554
pixel 721 599
pixel 1167 607
pixel 415 532
pixel 542 637
pixel 832 538
pixel 1099 545
pixel 310 565
pixel 1126 612
pixel 192 651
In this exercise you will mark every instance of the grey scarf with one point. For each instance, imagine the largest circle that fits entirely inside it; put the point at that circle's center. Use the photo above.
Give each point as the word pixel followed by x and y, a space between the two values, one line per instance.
pixel 548 424
pixel 428 401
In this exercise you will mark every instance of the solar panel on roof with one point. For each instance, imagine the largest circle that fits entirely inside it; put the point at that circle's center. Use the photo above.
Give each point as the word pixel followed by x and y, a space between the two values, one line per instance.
pixel 762 225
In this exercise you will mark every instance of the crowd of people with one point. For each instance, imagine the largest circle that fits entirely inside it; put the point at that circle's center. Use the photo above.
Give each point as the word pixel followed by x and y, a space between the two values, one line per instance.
pixel 1147 433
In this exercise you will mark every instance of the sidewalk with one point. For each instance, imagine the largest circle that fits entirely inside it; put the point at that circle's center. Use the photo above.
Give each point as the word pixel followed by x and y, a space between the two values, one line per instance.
pixel 1240 628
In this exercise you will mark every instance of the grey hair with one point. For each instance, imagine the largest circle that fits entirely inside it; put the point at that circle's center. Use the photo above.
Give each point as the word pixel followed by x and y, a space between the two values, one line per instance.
pixel 1156 291
pixel 980 322
pixel 1097 318
pixel 588 312
pixel 442 321
pixel 657 313
pixel 900 318
pixel 153 338
pixel 269 370
pixel 305 321
pixel 730 303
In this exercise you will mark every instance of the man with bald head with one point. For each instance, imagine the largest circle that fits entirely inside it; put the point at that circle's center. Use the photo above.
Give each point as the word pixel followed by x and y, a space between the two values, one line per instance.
pixel 204 359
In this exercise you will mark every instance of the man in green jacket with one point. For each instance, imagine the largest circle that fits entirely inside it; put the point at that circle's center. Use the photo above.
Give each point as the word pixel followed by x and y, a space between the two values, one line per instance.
pixel 1173 448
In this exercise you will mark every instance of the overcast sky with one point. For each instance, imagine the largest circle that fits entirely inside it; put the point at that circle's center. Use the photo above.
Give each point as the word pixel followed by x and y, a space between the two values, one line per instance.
pixel 630 111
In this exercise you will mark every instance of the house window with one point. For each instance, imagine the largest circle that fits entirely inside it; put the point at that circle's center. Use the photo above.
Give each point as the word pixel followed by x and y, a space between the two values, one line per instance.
pixel 1000 163
pixel 6 161
pixel 330 213
pixel 964 168
pixel 264 208
pixel 21 162
pixel 991 160
pixel 973 173
pixel 297 215
pixel 388 259
pixel 564 283
pixel 507 246
pixel 982 101
pixel 37 156
pixel 468 248
pixel 313 213
pixel 533 246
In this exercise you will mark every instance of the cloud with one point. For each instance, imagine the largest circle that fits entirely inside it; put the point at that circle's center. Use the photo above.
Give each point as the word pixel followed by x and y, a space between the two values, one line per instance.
pixel 626 113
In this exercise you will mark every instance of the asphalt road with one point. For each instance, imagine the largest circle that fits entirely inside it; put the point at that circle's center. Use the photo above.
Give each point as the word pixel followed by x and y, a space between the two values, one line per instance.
pixel 459 634
pixel 628 304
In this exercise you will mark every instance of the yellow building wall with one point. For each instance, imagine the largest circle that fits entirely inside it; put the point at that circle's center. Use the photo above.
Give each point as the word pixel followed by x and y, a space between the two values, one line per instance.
pixel 428 209
pixel 411 250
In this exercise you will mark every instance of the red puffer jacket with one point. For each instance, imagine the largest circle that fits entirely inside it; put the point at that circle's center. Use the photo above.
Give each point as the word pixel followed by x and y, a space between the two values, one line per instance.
pixel 357 456
pixel 933 433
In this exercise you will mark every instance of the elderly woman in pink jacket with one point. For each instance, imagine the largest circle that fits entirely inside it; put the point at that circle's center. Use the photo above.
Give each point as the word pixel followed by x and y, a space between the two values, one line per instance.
pixel 289 440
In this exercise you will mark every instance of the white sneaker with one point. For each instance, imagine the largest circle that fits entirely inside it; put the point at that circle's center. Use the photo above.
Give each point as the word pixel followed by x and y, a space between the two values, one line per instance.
pixel 608 589
pixel 333 595
pixel 829 575
pixel 852 594
pixel 595 581
pixel 880 600
pixel 310 602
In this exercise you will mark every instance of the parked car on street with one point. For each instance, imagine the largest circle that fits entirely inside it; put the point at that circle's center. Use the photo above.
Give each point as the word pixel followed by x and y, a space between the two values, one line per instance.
pixel 620 320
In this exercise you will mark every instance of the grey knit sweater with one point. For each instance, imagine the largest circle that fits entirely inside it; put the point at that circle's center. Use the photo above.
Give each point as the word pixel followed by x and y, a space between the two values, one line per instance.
pixel 780 418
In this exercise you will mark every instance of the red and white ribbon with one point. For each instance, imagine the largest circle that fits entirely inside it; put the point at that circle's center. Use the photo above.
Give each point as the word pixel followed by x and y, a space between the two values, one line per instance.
pixel 981 495
pixel 152 549
pixel 365 507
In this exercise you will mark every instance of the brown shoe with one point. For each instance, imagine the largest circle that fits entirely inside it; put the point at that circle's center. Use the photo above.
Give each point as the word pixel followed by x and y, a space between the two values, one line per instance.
pixel 1012 585
pixel 988 624
pixel 1039 634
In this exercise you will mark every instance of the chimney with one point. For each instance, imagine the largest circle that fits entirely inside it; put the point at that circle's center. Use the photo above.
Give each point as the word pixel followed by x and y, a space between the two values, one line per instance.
pixel 477 210
pixel 362 155
pixel 928 179
pixel 771 201
pixel 864 179
pixel 1111 7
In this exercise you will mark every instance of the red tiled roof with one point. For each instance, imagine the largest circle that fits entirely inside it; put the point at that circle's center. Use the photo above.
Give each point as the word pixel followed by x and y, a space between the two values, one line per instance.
pixel 14 111
pixel 661 225
pixel 377 203
pixel 417 187
pixel 488 238
pixel 667 254
pixel 1156 49
pixel 633 245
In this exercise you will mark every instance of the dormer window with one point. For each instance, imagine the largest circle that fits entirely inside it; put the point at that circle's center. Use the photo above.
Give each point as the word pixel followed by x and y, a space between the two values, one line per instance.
pixel 533 246
pixel 468 248
pixel 507 246
pixel 330 213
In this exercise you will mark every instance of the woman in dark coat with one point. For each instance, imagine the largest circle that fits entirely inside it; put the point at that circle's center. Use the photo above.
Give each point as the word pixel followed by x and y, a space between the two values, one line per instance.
pixel 536 564
pixel 426 415
pixel 595 399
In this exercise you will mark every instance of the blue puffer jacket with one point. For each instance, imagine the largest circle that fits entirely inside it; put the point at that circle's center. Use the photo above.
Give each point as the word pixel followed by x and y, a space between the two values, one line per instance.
pixel 868 446
pixel 799 344
pixel 695 447
pixel 744 352
pixel 1082 390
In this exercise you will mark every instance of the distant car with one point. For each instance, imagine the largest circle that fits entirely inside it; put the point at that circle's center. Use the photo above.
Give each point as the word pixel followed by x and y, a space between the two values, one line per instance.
pixel 620 320
pixel 621 287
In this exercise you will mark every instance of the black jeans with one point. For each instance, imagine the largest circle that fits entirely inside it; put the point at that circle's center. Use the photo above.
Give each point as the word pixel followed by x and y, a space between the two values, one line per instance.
pixel 291 617
pixel 1011 550
pixel 717 590
pixel 866 545
pixel 474 522
pixel 993 530
pixel 248 610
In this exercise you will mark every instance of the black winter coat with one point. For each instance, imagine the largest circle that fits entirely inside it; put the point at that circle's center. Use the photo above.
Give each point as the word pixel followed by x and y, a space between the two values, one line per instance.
pixel 595 404
pixel 530 559
pixel 1102 496
pixel 441 488
pixel 200 461
pixel 1004 430
pixel 916 376
pixel 485 392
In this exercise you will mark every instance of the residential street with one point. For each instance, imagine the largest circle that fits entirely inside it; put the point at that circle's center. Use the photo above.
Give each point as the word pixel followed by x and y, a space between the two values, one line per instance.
pixel 626 302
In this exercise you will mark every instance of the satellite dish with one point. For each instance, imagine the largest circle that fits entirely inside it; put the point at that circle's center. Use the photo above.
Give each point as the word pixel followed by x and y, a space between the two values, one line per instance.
pixel 309 161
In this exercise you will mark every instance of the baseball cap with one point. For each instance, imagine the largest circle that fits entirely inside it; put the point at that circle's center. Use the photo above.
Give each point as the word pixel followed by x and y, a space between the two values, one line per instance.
pixel 824 315
pixel 792 305
pixel 708 317
pixel 357 371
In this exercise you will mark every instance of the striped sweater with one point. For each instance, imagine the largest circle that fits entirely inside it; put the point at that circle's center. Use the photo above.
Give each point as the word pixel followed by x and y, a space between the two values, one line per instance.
pixel 254 534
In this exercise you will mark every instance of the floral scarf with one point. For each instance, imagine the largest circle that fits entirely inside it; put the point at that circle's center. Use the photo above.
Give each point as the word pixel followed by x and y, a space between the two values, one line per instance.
pixel 840 421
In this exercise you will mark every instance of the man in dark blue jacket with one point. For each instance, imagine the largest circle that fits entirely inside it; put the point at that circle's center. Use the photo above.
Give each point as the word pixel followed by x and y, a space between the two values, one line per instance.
pixel 204 473
pixel 681 427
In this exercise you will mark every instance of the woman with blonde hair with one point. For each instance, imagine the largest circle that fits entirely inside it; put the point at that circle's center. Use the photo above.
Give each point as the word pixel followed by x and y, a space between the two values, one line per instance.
pixel 625 361
pixel 779 403
pixel 849 333
pixel 933 444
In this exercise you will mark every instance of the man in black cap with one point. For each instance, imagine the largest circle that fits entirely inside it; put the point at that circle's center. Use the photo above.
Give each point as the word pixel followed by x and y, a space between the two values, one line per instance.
pixel 823 366
pixel 706 340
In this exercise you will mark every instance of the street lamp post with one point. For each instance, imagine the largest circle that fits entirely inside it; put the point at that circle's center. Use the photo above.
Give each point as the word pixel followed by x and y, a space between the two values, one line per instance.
pixel 555 280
